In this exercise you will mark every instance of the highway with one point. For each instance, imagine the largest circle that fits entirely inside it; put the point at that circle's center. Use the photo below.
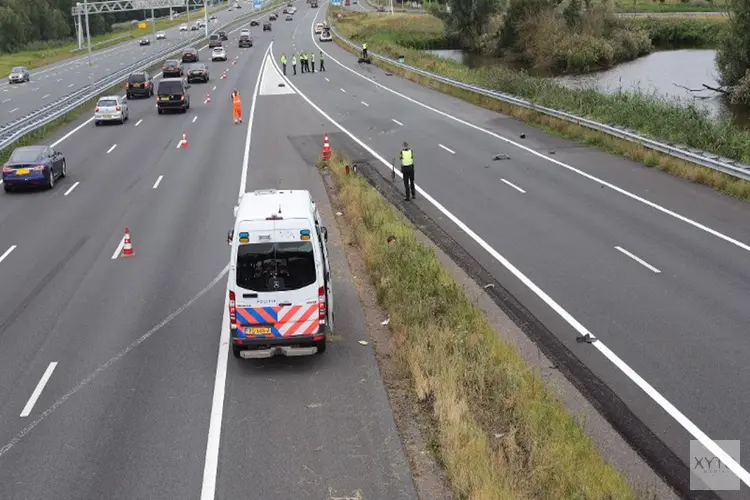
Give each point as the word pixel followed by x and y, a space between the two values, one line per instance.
pixel 115 380
pixel 108 365
pixel 49 83
pixel 654 267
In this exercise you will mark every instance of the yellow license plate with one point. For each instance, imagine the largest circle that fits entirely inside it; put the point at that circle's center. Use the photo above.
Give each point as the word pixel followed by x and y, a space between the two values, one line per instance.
pixel 259 330
pixel 164 98
pixel 23 171
pixel 107 116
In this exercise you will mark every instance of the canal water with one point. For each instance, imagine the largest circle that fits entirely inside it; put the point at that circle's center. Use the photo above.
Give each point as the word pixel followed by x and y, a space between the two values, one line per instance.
pixel 673 74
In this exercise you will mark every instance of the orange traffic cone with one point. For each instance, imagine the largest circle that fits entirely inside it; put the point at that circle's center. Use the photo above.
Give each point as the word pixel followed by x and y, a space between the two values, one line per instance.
pixel 326 148
pixel 184 142
pixel 208 97
pixel 127 246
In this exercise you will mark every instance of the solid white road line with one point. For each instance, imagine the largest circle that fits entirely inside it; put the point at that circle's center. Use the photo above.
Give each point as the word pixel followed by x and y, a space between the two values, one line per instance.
pixel 397 122
pixel 119 248
pixel 7 252
pixel 647 388
pixel 447 149
pixel 363 102
pixel 513 185
pixel 112 148
pixel 138 122
pixel 158 181
pixel 70 190
pixel 637 259
pixel 38 391
pixel 14 110
pixel 602 182
pixel 211 466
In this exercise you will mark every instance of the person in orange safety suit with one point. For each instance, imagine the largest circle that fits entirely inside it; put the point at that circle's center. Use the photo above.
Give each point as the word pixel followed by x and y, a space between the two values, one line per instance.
pixel 236 106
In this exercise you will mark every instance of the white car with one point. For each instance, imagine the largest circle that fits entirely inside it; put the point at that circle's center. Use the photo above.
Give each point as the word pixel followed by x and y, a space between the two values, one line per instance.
pixel 245 31
pixel 183 27
pixel 161 35
pixel 319 28
pixel 219 54
pixel 325 36
pixel 111 108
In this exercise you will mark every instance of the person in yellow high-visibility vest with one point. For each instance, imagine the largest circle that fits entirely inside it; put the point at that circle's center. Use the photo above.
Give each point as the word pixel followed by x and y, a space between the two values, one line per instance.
pixel 236 106
pixel 283 63
pixel 407 169
pixel 364 51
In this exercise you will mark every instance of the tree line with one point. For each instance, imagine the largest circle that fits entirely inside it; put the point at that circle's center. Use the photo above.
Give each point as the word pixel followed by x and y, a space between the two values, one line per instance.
pixel 36 23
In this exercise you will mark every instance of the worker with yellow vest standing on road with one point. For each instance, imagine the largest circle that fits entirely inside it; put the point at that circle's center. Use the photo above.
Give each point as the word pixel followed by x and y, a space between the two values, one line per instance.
pixel 407 169
pixel 364 51
pixel 283 63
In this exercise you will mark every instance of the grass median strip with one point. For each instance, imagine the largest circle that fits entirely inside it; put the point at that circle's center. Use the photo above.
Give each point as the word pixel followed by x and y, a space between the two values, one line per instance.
pixel 500 433
pixel 648 115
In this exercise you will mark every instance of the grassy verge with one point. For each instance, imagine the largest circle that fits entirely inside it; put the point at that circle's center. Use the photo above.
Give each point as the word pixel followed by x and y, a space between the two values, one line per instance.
pixel 670 6
pixel 51 53
pixel 499 431
pixel 649 115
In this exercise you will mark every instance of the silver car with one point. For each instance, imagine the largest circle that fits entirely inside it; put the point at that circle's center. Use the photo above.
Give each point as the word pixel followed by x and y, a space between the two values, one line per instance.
pixel 19 74
pixel 111 108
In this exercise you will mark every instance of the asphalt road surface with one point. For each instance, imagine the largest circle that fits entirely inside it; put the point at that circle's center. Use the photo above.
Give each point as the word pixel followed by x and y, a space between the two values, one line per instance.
pixel 49 83
pixel 108 364
pixel 654 267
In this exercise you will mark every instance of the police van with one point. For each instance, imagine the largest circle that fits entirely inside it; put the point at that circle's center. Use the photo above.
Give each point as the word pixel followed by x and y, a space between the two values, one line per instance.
pixel 280 292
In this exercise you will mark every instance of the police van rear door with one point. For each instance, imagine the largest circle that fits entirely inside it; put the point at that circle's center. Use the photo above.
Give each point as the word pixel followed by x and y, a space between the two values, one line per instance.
pixel 277 279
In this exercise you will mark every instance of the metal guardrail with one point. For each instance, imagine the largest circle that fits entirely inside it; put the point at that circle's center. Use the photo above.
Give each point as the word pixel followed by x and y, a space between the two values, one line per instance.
pixel 692 155
pixel 74 51
pixel 12 131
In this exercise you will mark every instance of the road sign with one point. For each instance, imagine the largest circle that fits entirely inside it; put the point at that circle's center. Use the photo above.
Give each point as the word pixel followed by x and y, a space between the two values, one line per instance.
pixel 142 25
pixel 335 2
pixel 258 4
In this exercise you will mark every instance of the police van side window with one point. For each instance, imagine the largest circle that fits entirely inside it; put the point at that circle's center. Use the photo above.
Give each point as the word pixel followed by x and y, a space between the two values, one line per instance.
pixel 263 266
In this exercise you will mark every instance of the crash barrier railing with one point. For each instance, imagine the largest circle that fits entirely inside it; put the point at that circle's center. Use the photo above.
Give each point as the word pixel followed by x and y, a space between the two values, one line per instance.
pixel 126 35
pixel 692 155
pixel 12 131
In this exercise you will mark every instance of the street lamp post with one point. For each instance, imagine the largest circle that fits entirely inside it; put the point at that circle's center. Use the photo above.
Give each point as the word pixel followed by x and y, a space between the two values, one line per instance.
pixel 88 42
pixel 205 15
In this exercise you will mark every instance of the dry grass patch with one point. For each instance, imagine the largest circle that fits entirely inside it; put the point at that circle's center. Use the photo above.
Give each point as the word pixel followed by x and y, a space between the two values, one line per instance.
pixel 500 434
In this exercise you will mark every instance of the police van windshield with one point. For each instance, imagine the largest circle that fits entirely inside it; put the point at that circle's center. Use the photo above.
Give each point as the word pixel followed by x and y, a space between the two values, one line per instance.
pixel 275 267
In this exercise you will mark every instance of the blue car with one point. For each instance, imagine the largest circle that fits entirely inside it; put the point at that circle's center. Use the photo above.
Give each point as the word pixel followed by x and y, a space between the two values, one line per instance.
pixel 33 166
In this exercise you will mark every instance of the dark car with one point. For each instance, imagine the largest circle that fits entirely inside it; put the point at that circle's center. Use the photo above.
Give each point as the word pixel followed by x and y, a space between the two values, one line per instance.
pixel 273 17
pixel 139 83
pixel 289 18
pixel 190 55
pixel 172 93
pixel 194 28
pixel 245 41
pixel 213 41
pixel 254 22
pixel 266 26
pixel 33 166
pixel 223 36
pixel 197 73
pixel 145 41
pixel 172 67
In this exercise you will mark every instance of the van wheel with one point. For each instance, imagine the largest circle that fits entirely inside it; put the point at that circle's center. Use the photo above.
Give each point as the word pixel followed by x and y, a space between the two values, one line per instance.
pixel 321 345
pixel 236 351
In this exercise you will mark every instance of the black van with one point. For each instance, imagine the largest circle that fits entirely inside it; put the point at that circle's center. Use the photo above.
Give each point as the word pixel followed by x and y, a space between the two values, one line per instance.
pixel 139 84
pixel 172 93
pixel 214 41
